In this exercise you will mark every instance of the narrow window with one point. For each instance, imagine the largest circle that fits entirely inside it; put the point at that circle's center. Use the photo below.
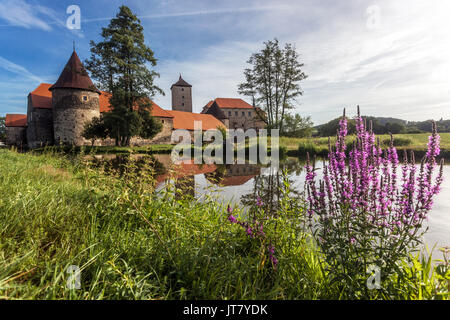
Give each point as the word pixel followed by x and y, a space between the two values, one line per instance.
pixel 229 113
pixel 249 113
pixel 236 113
pixel 243 113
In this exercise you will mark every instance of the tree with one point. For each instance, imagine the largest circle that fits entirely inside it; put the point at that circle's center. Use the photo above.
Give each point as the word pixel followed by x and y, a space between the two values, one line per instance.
pixel 297 127
pixel 331 128
pixel 119 65
pixel 95 129
pixel 395 128
pixel 2 129
pixel 272 81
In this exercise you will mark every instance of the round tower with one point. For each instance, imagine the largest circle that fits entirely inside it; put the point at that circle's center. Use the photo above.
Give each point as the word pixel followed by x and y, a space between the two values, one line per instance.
pixel 75 101
pixel 181 96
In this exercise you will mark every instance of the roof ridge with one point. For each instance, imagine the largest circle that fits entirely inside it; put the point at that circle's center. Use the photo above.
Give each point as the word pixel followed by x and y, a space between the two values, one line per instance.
pixel 74 76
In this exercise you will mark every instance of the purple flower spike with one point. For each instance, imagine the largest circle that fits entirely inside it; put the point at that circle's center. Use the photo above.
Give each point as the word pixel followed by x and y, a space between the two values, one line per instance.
pixel 369 185
pixel 232 219
pixel 259 202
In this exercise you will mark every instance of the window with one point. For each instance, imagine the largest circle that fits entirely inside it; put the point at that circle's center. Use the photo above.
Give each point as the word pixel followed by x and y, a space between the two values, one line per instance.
pixel 243 113
pixel 236 113
pixel 182 104
pixel 229 113
pixel 249 113
pixel 182 89
pixel 183 97
pixel 85 98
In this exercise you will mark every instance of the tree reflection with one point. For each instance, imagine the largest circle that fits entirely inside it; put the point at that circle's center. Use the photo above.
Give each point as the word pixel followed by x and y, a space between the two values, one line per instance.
pixel 270 184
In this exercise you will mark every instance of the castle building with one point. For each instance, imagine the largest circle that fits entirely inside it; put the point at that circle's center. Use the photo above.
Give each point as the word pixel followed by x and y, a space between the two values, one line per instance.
pixel 181 96
pixel 235 113
pixel 57 113
pixel 15 129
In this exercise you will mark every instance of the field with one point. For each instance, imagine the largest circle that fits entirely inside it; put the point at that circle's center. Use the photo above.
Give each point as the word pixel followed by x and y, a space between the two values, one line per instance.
pixel 131 243
pixel 415 142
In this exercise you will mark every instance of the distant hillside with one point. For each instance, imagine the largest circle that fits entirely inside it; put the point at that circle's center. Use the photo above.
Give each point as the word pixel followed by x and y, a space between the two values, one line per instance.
pixel 383 120
pixel 383 125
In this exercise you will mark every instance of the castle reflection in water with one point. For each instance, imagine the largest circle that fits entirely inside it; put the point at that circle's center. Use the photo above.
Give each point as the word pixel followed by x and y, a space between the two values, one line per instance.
pixel 220 175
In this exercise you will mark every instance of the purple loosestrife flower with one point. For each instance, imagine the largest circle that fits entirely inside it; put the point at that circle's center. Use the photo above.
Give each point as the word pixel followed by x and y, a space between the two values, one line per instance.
pixel 272 258
pixel 232 219
pixel 367 183
pixel 259 202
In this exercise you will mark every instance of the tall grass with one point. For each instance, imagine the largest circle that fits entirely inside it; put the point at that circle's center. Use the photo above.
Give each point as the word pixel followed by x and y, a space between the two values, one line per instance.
pixel 132 243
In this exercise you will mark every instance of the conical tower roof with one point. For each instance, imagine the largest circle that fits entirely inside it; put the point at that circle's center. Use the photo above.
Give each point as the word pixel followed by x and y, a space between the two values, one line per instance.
pixel 181 83
pixel 74 76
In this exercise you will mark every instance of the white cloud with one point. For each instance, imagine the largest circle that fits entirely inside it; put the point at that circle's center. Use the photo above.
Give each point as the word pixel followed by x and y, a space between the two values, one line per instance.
pixel 18 70
pixel 400 69
pixel 216 73
pixel 22 14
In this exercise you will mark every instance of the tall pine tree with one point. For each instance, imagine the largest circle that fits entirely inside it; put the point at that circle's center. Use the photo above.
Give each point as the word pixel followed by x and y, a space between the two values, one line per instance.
pixel 119 65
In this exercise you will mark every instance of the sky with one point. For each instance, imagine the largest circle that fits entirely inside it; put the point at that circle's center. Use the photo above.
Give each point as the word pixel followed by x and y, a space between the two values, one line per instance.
pixel 390 57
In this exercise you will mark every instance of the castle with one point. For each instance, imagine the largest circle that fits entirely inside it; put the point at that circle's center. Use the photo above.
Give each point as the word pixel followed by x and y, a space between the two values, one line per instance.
pixel 57 113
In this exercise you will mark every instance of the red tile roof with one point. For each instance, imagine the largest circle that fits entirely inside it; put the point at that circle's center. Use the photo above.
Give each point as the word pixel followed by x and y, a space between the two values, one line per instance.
pixel 185 120
pixel 16 120
pixel 232 103
pixel 74 76
pixel 105 106
pixel 235 180
pixel 41 98
pixel 157 111
pixel 186 169
pixel 206 107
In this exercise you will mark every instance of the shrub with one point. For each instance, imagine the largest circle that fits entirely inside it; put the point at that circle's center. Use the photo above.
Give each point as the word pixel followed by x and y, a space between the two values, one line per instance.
pixel 362 219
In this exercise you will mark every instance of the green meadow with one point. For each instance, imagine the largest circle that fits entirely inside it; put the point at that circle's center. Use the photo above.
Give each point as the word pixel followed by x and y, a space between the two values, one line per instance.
pixel 415 142
pixel 132 243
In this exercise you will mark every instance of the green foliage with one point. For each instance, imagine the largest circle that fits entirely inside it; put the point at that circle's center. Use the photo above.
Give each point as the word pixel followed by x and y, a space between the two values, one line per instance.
pixel 119 64
pixel 329 129
pixel 273 81
pixel 394 128
pixel 383 125
pixel 2 129
pixel 132 243
pixel 95 129
pixel 297 127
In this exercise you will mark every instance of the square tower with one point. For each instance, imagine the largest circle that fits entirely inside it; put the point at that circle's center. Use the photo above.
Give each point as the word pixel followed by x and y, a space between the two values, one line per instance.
pixel 181 96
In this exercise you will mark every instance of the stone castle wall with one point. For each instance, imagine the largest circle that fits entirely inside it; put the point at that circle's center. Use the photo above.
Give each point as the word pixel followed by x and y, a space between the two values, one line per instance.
pixel 163 137
pixel 72 109
pixel 182 99
pixel 40 126
pixel 243 118
pixel 15 136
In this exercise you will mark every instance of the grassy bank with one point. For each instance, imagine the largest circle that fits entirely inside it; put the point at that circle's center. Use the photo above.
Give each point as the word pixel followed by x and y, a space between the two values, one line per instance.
pixel 149 149
pixel 133 244
pixel 128 243
pixel 319 146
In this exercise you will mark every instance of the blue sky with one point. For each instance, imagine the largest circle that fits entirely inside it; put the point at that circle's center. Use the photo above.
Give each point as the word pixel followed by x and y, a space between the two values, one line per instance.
pixel 390 57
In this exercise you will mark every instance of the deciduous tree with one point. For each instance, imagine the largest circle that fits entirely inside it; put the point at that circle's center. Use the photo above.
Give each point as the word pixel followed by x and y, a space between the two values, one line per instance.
pixel 273 81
